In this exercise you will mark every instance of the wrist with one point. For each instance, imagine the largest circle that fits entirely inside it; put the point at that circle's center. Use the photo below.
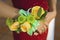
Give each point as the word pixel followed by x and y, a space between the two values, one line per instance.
pixel 15 14
pixel 49 17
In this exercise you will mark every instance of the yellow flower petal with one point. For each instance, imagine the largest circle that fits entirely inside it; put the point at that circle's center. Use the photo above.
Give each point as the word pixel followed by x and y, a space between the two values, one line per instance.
pixel 35 10
pixel 25 27
pixel 14 26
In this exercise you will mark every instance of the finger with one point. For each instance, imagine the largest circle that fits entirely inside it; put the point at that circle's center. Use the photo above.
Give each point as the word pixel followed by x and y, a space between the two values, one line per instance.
pixel 40 30
pixel 45 27
pixel 35 33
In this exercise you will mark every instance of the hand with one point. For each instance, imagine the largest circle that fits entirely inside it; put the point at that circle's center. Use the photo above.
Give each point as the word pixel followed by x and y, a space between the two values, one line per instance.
pixel 41 28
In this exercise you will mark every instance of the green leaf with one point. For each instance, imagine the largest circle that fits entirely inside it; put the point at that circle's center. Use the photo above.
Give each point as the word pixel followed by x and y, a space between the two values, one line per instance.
pixel 35 23
pixel 39 12
pixel 30 32
pixel 43 16
pixel 22 12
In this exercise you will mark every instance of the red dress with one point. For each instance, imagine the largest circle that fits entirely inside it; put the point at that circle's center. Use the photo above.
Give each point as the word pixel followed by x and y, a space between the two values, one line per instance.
pixel 25 4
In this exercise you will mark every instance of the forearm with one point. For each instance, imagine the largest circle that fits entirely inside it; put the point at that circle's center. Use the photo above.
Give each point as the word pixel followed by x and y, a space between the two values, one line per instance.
pixel 51 14
pixel 7 11
pixel 52 5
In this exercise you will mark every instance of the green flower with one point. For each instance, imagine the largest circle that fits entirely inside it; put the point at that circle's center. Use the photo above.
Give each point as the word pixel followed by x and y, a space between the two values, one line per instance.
pixel 21 19
pixel 9 22
pixel 30 19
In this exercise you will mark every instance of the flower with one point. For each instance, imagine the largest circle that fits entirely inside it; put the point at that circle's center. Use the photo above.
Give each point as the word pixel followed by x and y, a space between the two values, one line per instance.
pixel 14 26
pixel 35 11
pixel 27 21
pixel 25 26
pixel 30 19
pixel 41 11
pixel 21 19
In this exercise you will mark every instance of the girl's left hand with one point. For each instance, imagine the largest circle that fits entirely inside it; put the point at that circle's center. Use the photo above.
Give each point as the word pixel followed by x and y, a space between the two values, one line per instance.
pixel 41 29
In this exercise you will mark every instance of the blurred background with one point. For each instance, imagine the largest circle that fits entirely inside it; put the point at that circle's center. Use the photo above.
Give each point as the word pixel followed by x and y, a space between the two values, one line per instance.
pixel 57 24
pixel 5 34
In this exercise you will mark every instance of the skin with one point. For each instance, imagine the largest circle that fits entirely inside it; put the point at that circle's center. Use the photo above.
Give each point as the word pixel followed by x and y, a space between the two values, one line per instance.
pixel 48 18
pixel 9 11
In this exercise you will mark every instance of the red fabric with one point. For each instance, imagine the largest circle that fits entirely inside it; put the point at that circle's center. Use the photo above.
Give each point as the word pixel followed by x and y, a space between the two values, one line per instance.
pixel 25 4
pixel 25 36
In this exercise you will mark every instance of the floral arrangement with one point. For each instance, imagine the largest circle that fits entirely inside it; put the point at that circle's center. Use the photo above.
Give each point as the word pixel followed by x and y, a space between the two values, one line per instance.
pixel 27 21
